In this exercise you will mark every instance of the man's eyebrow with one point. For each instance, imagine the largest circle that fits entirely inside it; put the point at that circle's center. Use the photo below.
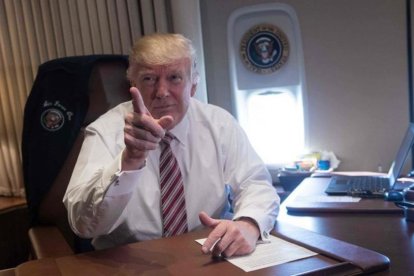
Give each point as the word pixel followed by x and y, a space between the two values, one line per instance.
pixel 145 72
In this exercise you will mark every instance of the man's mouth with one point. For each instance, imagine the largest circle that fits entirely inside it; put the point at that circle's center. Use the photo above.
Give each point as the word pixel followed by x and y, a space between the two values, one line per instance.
pixel 165 106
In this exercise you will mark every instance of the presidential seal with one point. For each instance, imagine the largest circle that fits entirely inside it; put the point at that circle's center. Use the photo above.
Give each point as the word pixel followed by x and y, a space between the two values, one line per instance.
pixel 54 115
pixel 264 48
pixel 52 119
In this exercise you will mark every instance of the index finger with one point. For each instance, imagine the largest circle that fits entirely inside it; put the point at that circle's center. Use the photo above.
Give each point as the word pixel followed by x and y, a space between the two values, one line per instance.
pixel 213 238
pixel 138 102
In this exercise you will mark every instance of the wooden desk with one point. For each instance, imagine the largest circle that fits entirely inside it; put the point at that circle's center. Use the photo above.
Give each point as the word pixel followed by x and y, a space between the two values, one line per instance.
pixel 386 233
pixel 181 255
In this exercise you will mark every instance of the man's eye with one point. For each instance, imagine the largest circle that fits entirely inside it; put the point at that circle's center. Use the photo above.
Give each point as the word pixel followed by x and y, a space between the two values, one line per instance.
pixel 149 80
pixel 176 78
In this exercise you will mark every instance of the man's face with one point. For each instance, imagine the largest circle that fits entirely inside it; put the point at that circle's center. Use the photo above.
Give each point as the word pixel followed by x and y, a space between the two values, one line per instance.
pixel 166 89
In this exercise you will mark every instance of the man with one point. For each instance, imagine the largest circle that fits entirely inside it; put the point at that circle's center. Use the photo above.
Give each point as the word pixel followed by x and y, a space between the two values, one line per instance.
pixel 116 194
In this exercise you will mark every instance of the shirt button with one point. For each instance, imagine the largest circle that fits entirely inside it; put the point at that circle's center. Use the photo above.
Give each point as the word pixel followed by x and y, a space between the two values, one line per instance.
pixel 265 234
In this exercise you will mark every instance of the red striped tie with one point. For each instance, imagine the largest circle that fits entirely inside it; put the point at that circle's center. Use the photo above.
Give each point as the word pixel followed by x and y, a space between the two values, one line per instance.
pixel 172 191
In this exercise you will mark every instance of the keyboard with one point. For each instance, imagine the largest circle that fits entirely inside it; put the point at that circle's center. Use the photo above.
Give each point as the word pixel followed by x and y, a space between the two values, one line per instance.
pixel 358 186
pixel 368 186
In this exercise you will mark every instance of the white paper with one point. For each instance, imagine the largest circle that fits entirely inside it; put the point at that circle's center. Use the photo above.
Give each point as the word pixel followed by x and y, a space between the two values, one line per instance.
pixel 326 198
pixel 277 251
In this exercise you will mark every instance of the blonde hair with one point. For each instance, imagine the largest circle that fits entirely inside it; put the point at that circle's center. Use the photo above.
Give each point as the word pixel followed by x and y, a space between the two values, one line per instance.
pixel 159 49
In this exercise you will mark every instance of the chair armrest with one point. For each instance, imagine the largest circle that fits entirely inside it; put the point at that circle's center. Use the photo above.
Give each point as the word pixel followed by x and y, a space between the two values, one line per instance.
pixel 48 241
pixel 8 272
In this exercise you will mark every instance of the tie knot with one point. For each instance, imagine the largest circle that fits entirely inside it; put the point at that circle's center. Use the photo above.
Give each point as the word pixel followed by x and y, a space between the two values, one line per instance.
pixel 168 138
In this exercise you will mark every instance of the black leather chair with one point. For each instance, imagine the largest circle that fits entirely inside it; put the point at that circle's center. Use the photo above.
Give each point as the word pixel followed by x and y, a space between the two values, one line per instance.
pixel 67 95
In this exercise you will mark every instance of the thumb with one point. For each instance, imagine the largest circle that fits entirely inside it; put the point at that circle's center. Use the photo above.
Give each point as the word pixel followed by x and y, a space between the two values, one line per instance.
pixel 165 121
pixel 208 221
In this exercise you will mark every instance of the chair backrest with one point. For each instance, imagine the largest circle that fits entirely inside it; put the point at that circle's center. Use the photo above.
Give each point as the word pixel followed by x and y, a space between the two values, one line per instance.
pixel 67 95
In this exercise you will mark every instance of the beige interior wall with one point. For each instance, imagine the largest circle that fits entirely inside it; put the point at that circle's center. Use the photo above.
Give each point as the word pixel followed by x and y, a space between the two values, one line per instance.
pixel 356 73
pixel 33 32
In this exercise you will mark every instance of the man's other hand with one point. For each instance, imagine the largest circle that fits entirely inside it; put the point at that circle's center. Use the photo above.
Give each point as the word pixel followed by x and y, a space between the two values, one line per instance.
pixel 229 238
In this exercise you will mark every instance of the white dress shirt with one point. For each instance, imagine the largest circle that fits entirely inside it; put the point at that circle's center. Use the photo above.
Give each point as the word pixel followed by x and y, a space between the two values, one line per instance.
pixel 114 207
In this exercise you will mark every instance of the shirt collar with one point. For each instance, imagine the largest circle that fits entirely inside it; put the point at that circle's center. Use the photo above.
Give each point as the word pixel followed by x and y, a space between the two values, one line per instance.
pixel 181 129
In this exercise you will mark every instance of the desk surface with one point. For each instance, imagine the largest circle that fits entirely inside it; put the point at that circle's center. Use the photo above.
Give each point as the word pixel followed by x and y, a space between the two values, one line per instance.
pixel 179 255
pixel 386 233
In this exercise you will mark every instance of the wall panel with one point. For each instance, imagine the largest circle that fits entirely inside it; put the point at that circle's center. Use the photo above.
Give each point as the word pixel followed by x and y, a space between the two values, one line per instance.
pixel 35 31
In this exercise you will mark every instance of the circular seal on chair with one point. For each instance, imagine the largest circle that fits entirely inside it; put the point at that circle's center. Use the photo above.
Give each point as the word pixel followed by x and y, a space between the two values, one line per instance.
pixel 52 119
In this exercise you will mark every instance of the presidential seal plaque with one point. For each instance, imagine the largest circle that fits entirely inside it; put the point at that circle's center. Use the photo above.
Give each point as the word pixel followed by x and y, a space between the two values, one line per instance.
pixel 264 48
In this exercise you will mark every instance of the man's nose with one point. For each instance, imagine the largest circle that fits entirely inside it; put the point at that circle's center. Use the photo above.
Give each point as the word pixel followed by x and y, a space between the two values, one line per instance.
pixel 162 89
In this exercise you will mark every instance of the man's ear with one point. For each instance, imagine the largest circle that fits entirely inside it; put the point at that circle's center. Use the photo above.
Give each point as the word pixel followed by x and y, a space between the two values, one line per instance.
pixel 193 89
pixel 195 80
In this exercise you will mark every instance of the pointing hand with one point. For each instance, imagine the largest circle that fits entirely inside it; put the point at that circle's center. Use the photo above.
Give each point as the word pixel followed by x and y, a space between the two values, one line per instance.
pixel 142 132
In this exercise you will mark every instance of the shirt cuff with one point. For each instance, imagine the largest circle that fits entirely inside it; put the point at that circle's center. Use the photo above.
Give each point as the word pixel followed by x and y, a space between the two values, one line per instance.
pixel 264 235
pixel 120 182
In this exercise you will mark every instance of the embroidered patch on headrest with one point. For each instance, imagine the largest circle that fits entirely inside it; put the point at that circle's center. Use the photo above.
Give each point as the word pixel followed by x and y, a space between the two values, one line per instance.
pixel 53 117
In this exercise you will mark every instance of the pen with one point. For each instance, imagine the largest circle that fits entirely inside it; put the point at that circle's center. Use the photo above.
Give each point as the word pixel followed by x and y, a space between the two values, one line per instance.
pixel 214 244
pixel 211 249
